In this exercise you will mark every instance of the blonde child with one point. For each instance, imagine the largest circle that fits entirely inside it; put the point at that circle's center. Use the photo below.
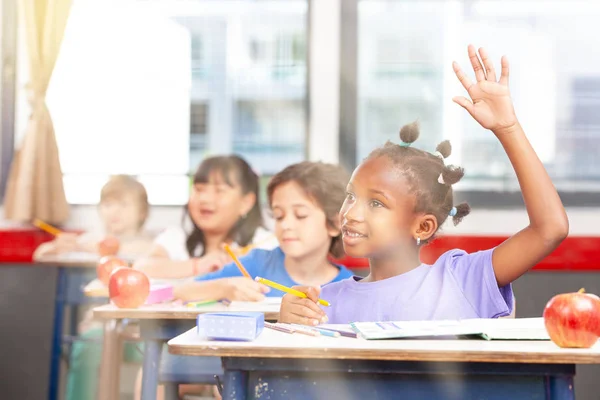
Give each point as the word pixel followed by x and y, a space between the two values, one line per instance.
pixel 399 197
pixel 123 210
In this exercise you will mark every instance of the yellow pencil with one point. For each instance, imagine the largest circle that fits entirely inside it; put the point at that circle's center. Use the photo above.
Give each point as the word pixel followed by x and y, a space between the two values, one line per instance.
pixel 236 261
pixel 45 227
pixel 286 289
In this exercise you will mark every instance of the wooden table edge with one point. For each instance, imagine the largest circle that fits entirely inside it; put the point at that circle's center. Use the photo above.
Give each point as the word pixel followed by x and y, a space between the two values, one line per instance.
pixel 403 355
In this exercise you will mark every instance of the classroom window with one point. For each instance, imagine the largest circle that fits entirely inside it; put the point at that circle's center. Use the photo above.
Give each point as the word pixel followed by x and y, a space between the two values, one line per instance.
pixel 151 88
pixel 405 51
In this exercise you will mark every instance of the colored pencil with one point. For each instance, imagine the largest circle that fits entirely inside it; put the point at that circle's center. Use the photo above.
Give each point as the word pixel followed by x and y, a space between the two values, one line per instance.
pixel 341 332
pixel 286 289
pixel 322 332
pixel 236 261
pixel 277 327
pixel 46 227
pixel 201 303
pixel 304 331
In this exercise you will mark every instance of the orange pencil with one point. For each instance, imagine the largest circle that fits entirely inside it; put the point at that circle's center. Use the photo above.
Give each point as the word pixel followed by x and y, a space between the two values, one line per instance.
pixel 45 227
pixel 236 261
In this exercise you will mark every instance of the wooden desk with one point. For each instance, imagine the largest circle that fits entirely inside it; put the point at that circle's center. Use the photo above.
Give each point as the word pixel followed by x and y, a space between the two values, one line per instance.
pixel 280 365
pixel 161 322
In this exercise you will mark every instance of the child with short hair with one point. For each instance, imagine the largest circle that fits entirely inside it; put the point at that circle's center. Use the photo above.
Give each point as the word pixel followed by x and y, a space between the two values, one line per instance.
pixel 396 201
pixel 123 210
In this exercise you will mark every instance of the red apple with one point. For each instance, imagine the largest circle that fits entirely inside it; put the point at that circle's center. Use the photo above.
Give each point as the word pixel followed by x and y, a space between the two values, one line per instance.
pixel 128 288
pixel 106 265
pixel 109 246
pixel 573 319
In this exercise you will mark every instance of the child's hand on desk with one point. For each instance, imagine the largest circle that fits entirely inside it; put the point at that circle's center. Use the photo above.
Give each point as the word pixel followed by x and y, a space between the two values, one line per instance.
pixel 244 289
pixel 296 310
pixel 211 262
pixel 66 243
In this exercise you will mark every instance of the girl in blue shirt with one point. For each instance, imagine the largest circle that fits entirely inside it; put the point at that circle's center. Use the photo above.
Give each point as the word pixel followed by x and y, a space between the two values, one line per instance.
pixel 304 199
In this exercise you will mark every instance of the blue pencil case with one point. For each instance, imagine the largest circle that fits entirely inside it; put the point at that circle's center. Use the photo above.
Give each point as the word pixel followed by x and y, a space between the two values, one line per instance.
pixel 238 326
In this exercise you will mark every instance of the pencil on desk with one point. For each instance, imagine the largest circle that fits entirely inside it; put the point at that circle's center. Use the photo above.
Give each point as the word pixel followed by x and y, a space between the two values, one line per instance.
pixel 322 332
pixel 46 227
pixel 305 331
pixel 277 327
pixel 201 303
pixel 286 289
pixel 236 261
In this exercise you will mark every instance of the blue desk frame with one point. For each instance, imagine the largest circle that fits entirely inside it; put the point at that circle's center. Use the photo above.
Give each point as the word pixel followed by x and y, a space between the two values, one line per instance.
pixel 302 379
pixel 69 292
pixel 199 370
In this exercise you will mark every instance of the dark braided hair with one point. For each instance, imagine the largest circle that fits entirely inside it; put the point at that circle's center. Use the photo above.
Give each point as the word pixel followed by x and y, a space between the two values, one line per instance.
pixel 429 179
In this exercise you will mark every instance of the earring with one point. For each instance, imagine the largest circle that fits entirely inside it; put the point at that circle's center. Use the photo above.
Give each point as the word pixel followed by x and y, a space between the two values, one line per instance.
pixel 418 241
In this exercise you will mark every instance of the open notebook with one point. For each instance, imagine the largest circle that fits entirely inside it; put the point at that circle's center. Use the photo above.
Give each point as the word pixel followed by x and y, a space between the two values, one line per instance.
pixel 489 329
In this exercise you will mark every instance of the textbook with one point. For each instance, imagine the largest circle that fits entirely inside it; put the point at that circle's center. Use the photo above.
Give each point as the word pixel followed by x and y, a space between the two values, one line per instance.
pixel 488 329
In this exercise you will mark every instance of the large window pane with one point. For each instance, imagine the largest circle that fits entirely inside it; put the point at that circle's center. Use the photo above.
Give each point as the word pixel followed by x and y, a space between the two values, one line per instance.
pixel 249 80
pixel 150 88
pixel 405 53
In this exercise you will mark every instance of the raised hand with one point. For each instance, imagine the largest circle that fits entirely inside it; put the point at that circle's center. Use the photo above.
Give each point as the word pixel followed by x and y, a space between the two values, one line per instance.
pixel 490 102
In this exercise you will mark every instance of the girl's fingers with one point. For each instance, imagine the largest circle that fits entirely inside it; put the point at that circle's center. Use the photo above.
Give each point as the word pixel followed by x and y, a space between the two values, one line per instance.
pixel 464 103
pixel 504 73
pixel 303 320
pixel 462 77
pixel 300 309
pixel 488 64
pixel 476 63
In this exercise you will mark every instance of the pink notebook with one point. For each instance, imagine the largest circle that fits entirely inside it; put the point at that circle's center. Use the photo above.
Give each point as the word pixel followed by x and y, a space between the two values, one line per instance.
pixel 160 294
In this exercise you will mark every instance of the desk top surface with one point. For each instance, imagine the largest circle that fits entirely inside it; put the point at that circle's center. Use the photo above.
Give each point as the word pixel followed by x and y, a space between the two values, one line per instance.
pixel 270 307
pixel 75 260
pixel 275 344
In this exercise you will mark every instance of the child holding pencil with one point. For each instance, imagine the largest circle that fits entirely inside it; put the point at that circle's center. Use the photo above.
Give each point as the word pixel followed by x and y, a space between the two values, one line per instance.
pixel 304 199
pixel 399 197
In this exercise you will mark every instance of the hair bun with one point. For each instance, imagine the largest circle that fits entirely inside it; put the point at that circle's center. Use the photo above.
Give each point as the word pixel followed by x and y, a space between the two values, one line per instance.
pixel 410 133
pixel 444 148
pixel 462 210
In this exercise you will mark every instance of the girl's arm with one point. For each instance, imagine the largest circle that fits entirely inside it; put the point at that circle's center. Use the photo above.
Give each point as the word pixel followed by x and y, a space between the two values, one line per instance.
pixel 158 264
pixel 492 107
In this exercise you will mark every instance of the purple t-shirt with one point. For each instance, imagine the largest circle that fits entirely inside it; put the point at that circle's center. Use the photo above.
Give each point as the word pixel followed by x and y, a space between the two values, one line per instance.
pixel 459 285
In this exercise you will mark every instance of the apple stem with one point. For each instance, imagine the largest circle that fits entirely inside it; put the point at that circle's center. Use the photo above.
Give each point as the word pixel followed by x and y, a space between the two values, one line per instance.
pixel 582 290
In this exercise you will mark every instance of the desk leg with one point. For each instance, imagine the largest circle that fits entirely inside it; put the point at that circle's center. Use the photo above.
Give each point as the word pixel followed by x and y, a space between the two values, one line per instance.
pixel 152 349
pixel 235 386
pixel 560 387
pixel 112 352
pixel 171 390
pixel 59 308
